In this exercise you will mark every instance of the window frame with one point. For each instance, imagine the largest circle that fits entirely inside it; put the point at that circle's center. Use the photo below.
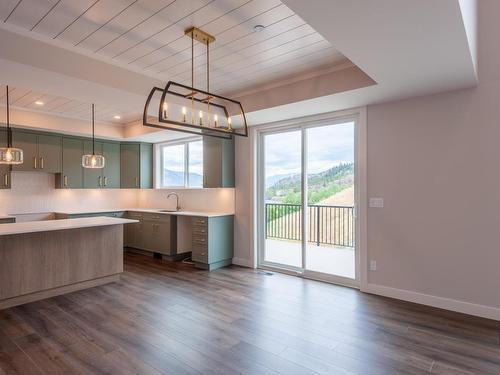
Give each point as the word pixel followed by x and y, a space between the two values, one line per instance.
pixel 159 167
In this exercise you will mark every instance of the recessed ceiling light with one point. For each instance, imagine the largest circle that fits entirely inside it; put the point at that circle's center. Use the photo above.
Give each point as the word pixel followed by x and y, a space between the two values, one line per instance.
pixel 39 102
pixel 258 28
pixel 117 117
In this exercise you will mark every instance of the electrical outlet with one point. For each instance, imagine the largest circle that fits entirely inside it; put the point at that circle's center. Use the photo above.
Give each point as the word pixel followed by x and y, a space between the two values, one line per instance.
pixel 373 265
pixel 376 202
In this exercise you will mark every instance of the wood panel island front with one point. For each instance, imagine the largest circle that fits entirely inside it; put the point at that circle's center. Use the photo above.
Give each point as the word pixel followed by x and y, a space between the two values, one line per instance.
pixel 47 258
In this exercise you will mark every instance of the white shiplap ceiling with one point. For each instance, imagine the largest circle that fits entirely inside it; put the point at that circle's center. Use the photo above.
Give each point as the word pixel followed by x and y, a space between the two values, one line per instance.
pixel 26 99
pixel 148 36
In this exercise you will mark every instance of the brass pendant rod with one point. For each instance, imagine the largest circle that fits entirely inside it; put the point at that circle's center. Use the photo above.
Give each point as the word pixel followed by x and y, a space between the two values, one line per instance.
pixel 192 76
pixel 208 81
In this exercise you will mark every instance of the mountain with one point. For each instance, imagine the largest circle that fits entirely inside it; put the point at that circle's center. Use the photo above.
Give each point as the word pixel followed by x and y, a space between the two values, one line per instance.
pixel 174 178
pixel 271 180
pixel 320 185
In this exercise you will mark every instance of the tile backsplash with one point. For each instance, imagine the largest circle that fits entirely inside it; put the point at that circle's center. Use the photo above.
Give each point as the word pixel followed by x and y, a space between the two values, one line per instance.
pixel 34 192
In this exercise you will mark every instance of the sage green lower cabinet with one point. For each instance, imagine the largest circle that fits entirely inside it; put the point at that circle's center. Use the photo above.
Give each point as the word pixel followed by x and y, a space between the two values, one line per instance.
pixel 218 162
pixel 212 241
pixel 156 233
pixel 136 166
pixel 71 176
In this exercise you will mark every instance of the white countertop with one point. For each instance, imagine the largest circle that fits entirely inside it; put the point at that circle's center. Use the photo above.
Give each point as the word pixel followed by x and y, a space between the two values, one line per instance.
pixel 148 210
pixel 53 225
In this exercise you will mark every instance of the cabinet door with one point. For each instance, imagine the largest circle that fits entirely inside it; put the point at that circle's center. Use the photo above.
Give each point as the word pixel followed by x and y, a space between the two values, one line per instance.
pixel 218 162
pixel 111 173
pixel 212 167
pixel 27 142
pixel 49 153
pixel 72 174
pixel 129 166
pixel 4 169
pixel 92 177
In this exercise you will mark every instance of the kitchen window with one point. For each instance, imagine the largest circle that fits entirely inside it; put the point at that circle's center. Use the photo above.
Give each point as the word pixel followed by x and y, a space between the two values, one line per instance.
pixel 181 164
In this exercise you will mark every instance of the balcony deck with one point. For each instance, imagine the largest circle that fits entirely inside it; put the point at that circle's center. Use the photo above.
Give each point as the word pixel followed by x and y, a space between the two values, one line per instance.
pixel 329 259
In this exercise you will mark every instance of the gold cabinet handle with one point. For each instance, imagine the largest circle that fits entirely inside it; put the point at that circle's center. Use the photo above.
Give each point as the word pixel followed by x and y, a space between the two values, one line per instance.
pixel 105 181
pixel 35 162
pixel 6 179
pixel 41 163
pixel 65 180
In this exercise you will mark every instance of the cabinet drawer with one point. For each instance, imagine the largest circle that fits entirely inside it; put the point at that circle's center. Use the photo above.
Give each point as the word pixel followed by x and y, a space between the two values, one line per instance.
pixel 135 215
pixel 155 217
pixel 199 221
pixel 199 231
pixel 199 254
pixel 200 241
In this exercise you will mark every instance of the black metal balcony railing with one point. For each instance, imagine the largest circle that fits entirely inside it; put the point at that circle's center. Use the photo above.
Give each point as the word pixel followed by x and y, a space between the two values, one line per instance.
pixel 328 225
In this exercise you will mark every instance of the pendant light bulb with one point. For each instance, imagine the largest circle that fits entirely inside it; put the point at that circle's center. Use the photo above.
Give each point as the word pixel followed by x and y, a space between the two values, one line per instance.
pixel 93 161
pixel 10 155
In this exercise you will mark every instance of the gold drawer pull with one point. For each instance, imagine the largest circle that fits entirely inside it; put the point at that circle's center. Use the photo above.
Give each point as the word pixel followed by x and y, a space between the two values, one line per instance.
pixel 41 163
pixel 65 180
pixel 35 162
pixel 6 179
pixel 105 181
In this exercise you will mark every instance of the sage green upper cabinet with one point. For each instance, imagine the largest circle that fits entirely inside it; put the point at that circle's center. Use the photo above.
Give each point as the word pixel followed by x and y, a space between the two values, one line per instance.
pixel 92 177
pixel 42 152
pixel 136 166
pixel 72 170
pixel 111 171
pixel 4 169
pixel 218 162
pixel 49 153
pixel 28 142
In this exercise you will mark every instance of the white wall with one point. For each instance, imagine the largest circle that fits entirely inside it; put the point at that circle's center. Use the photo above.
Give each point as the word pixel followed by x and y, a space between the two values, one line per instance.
pixel 435 161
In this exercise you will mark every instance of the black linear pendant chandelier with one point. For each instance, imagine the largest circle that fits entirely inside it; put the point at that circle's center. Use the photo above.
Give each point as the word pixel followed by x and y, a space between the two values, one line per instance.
pixel 9 154
pixel 189 109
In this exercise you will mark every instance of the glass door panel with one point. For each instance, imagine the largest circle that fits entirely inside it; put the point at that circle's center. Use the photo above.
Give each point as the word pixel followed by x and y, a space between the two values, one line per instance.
pixel 283 199
pixel 330 247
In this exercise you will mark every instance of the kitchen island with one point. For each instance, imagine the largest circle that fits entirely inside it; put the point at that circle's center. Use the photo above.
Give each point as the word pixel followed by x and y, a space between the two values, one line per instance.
pixel 42 259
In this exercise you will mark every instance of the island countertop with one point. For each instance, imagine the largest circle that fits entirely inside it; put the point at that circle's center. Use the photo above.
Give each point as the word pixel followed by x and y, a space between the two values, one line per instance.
pixel 54 225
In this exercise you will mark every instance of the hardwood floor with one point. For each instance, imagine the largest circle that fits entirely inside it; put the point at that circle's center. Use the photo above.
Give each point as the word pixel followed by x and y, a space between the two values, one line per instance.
pixel 171 319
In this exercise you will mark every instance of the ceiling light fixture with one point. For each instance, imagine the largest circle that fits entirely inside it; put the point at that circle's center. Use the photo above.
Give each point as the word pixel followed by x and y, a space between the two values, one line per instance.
pixel 116 117
pixel 9 154
pixel 93 161
pixel 39 102
pixel 209 114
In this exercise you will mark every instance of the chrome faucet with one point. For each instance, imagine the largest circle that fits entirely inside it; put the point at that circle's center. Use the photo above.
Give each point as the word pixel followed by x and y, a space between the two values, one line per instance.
pixel 177 207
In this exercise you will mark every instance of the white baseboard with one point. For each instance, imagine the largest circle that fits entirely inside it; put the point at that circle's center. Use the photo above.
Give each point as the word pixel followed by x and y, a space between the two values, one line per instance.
pixel 242 262
pixel 434 301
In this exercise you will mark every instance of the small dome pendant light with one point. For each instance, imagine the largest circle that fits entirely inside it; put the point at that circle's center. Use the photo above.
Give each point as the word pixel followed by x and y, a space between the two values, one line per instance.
pixel 9 154
pixel 93 161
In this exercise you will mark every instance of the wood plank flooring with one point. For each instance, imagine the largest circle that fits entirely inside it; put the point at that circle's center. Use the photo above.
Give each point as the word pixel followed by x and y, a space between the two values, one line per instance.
pixel 171 319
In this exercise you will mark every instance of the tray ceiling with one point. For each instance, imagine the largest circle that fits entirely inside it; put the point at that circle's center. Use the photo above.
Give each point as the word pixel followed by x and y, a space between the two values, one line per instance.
pixel 148 36
pixel 26 99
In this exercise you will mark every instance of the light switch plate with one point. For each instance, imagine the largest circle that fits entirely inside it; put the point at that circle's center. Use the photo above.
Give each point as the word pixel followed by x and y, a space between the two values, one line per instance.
pixel 376 202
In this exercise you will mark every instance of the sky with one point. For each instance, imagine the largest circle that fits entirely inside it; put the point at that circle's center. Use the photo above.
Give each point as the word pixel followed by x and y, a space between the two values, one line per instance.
pixel 327 146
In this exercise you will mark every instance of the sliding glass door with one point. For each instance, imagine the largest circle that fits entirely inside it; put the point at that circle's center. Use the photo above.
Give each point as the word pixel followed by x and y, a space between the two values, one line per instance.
pixel 307 201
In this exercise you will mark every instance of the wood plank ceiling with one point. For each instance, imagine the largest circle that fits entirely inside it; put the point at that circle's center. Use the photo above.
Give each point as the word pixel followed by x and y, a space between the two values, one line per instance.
pixel 148 36
pixel 27 99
